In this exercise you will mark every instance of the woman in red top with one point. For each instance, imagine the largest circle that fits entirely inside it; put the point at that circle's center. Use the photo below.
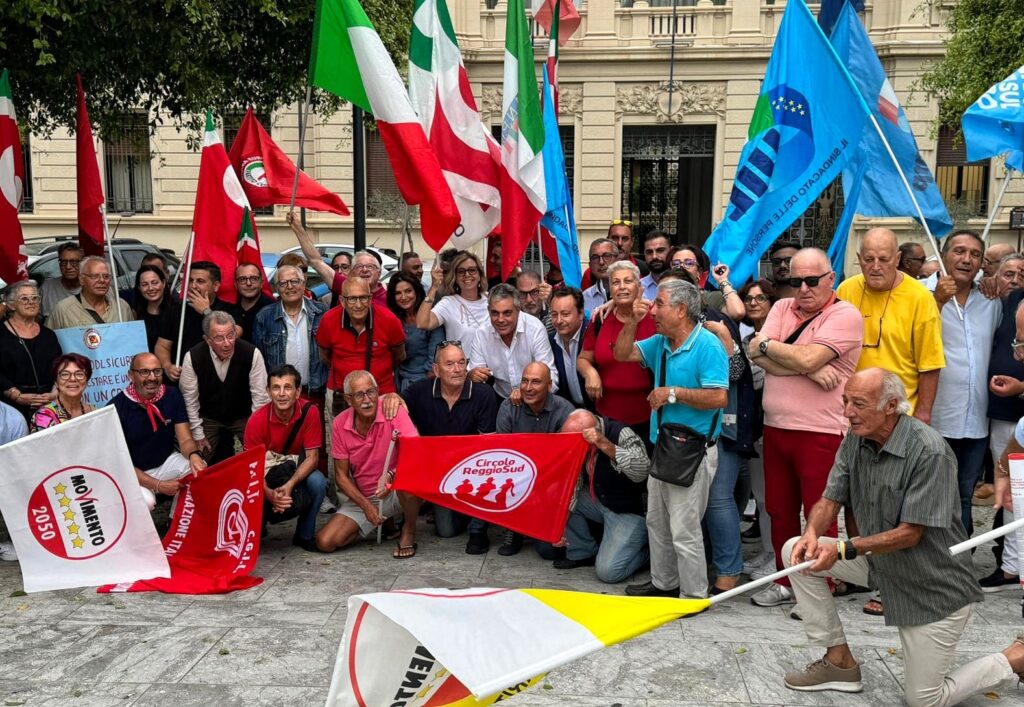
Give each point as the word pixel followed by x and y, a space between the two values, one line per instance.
pixel 619 389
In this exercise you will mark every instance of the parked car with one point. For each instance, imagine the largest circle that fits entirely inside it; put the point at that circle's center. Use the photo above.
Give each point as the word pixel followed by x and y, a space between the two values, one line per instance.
pixel 128 255
pixel 388 257
pixel 314 283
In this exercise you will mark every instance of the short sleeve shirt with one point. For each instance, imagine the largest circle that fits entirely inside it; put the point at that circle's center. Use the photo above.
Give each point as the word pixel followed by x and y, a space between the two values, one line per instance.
pixel 266 428
pixel 348 349
pixel 473 413
pixel 701 362
pixel 147 447
pixel 911 479
pixel 366 454
pixel 625 385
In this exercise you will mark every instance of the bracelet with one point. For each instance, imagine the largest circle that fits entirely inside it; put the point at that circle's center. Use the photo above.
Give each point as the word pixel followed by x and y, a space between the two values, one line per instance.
pixel 841 544
pixel 1001 471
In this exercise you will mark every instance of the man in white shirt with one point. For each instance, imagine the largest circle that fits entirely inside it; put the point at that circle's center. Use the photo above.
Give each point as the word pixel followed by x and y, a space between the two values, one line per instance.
pixel 656 248
pixel 502 349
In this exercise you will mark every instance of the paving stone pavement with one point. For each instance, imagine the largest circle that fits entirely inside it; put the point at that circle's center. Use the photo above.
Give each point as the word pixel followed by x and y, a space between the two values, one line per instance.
pixel 275 644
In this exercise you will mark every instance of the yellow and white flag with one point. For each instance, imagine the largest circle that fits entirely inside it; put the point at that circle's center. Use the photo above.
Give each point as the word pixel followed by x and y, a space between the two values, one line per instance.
pixel 464 647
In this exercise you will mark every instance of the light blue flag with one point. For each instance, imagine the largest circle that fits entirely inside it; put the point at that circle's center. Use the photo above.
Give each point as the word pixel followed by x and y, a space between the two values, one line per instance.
pixel 883 192
pixel 806 126
pixel 837 248
pixel 559 219
pixel 995 123
pixel 109 347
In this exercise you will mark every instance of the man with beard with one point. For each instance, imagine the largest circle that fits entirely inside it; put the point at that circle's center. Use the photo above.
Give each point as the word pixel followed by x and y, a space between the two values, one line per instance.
pixel 603 252
pixel 154 421
pixel 533 297
pixel 779 256
pixel 912 259
pixel 656 252
pixel 249 286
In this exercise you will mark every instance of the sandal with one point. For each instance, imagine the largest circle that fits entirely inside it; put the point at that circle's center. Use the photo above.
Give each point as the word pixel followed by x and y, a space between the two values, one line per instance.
pixel 404 552
pixel 874 608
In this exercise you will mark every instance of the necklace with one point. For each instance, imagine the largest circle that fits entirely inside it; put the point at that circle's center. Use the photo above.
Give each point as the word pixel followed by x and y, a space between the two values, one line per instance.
pixel 68 410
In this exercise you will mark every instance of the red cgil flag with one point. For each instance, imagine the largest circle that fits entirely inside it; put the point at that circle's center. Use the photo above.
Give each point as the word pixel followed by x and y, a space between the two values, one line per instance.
pixel 90 189
pixel 13 257
pixel 522 482
pixel 214 539
pixel 267 175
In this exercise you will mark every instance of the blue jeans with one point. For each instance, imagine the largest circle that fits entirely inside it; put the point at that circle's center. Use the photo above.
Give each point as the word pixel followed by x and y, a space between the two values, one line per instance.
pixel 316 487
pixel 448 523
pixel 721 516
pixel 970 455
pixel 623 547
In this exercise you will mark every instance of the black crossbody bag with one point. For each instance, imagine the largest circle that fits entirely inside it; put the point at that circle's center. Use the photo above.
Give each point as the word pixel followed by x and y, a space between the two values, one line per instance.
pixel 680 449
pixel 278 475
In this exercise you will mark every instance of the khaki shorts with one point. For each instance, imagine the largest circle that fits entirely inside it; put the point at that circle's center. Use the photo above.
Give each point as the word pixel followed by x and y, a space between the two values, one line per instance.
pixel 350 509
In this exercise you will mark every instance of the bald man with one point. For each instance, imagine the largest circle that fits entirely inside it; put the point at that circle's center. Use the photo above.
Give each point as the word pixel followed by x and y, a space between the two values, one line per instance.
pixel 993 256
pixel 902 326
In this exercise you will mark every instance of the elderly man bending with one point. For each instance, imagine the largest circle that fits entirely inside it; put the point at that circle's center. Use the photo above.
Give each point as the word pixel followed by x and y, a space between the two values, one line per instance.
pixel 899 478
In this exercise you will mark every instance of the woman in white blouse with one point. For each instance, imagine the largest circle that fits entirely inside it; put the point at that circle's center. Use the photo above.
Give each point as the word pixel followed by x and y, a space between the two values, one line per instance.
pixel 460 313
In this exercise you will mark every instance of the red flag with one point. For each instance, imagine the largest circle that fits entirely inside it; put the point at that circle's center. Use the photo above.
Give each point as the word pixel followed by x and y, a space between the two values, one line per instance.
pixel 267 175
pixel 90 189
pixel 13 257
pixel 565 15
pixel 214 539
pixel 522 482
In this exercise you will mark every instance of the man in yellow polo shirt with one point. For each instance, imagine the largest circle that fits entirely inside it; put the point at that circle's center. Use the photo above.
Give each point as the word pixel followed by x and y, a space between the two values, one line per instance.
pixel 902 325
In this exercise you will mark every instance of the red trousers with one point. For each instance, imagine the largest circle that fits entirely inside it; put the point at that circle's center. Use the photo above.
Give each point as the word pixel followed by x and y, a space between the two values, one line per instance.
pixel 796 466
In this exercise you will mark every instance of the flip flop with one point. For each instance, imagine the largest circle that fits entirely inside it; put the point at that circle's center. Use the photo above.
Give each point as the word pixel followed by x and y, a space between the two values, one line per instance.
pixel 874 608
pixel 404 552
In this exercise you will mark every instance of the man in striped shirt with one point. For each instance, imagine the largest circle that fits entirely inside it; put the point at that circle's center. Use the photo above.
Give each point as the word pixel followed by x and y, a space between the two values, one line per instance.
pixel 899 477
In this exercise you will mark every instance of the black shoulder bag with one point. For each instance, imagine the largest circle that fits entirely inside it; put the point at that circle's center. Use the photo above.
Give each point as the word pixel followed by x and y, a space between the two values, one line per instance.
pixel 680 449
pixel 279 474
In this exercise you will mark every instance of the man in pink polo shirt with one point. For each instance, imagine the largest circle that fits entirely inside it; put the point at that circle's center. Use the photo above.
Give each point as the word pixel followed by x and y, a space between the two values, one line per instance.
pixel 360 437
pixel 808 347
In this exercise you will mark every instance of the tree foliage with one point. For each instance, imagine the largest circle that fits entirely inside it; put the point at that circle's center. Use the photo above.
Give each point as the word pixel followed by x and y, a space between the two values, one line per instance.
pixel 174 59
pixel 986 44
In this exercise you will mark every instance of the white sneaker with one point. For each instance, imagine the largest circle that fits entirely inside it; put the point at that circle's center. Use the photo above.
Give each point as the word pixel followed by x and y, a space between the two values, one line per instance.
pixel 758 561
pixel 750 510
pixel 766 569
pixel 773 595
pixel 7 552
pixel 327 506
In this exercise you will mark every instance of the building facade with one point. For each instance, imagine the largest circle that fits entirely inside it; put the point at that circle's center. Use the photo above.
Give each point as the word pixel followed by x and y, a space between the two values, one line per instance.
pixel 655 105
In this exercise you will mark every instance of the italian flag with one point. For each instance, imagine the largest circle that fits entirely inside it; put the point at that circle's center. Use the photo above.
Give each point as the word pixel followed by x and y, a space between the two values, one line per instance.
pixel 439 89
pixel 349 60
pixel 223 231
pixel 523 191
pixel 13 257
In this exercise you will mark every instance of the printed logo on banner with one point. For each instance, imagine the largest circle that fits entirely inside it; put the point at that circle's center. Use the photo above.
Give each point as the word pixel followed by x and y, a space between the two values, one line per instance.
pixel 496 480
pixel 253 171
pixel 232 524
pixel 92 339
pixel 77 513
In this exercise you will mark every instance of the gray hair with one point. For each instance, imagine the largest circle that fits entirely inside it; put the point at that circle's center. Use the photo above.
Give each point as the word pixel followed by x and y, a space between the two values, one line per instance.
pixel 893 389
pixel 624 265
pixel 352 377
pixel 92 259
pixel 368 254
pixel 503 291
pixel 603 241
pixel 1010 258
pixel 298 271
pixel 218 318
pixel 683 293
pixel 12 292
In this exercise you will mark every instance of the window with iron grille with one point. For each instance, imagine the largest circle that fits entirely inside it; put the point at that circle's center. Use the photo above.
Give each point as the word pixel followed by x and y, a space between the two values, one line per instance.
pixel 958 179
pixel 232 122
pixel 126 161
pixel 27 203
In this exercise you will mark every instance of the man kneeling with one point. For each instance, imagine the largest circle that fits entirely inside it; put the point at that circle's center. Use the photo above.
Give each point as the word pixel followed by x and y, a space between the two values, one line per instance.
pixel 289 427
pixel 360 437
pixel 899 477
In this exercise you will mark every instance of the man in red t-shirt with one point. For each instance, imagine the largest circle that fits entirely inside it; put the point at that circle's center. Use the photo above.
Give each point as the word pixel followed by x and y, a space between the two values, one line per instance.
pixel 288 425
pixel 357 336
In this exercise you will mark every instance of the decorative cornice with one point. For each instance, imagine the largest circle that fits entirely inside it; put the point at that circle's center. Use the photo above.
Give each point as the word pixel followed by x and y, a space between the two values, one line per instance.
pixel 687 99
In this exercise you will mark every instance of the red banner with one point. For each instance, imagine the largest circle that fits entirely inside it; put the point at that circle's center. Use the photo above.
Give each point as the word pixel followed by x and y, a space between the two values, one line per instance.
pixel 522 482
pixel 214 539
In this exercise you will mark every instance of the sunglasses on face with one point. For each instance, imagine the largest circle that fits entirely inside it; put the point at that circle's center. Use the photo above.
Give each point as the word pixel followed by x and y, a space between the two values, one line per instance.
pixel 811 280
pixel 780 261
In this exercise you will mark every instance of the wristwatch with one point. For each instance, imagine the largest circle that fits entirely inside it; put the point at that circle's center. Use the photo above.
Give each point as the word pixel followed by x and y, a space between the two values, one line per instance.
pixel 763 347
pixel 849 551
pixel 672 396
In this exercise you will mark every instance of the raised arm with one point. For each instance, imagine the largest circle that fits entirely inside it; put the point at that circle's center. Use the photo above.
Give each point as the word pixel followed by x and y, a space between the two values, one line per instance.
pixel 310 252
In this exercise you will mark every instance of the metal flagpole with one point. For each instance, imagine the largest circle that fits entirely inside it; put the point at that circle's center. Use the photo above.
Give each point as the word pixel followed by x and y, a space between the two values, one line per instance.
pixel 744 588
pixel 110 257
pixel 995 207
pixel 184 300
pixel 977 540
pixel 358 180
pixel 672 59
pixel 303 115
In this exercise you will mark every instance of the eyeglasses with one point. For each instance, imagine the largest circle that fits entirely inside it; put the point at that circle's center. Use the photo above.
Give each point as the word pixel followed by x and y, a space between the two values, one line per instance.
pixel 223 339
pixel 102 277
pixel 71 375
pixel 448 342
pixel 688 263
pixel 881 319
pixel 811 280
pixel 466 272
pixel 249 279
pixel 921 260
pixel 284 284
pixel 604 258
pixel 756 299
pixel 341 267
pixel 529 294
pixel 781 261
pixel 366 266
pixel 69 263
pixel 148 372
pixel 452 365
pixel 28 299
pixel 622 222
pixel 357 299
pixel 364 394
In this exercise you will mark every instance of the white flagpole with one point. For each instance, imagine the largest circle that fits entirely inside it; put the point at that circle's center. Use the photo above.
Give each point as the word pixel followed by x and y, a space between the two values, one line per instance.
pixel 110 257
pixel 303 119
pixel 995 207
pixel 184 300
pixel 744 588
pixel 985 537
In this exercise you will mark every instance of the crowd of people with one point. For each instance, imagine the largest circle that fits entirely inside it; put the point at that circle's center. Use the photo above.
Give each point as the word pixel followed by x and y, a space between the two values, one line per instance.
pixel 884 404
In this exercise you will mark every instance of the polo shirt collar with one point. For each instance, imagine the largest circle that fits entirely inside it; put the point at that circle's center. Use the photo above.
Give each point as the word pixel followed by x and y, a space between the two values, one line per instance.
pixel 896 445
pixel 467 389
pixel 346 323
pixel 350 425
pixel 688 344
pixel 832 300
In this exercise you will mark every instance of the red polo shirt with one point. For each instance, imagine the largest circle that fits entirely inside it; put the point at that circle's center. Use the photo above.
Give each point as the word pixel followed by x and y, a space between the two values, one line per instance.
pixel 264 427
pixel 348 349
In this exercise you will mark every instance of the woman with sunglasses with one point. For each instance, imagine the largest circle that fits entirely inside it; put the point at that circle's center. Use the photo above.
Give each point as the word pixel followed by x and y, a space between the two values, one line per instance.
pixel 465 310
pixel 151 300
pixel 27 351
pixel 405 295
pixel 72 372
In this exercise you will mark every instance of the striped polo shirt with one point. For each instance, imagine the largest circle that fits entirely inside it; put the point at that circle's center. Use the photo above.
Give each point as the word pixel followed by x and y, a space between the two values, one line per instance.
pixel 911 479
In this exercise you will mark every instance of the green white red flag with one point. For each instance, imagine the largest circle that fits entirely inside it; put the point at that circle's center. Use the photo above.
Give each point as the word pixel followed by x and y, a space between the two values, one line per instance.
pixel 90 188
pixel 349 60
pixel 222 228
pixel 13 257
pixel 440 92
pixel 523 193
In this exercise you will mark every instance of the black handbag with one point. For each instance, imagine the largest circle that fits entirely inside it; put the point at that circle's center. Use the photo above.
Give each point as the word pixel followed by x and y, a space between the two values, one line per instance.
pixel 680 449
pixel 279 474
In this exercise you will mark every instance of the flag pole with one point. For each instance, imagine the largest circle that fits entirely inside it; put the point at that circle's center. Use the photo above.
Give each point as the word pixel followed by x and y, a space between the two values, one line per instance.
pixel 303 115
pixel 184 300
pixel 358 180
pixel 744 588
pixel 977 540
pixel 995 207
pixel 110 257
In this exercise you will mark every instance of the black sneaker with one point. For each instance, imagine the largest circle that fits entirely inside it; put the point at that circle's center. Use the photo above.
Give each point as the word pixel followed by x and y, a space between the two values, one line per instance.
pixel 478 544
pixel 307 544
pixel 751 534
pixel 647 589
pixel 997 581
pixel 511 545
pixel 565 563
